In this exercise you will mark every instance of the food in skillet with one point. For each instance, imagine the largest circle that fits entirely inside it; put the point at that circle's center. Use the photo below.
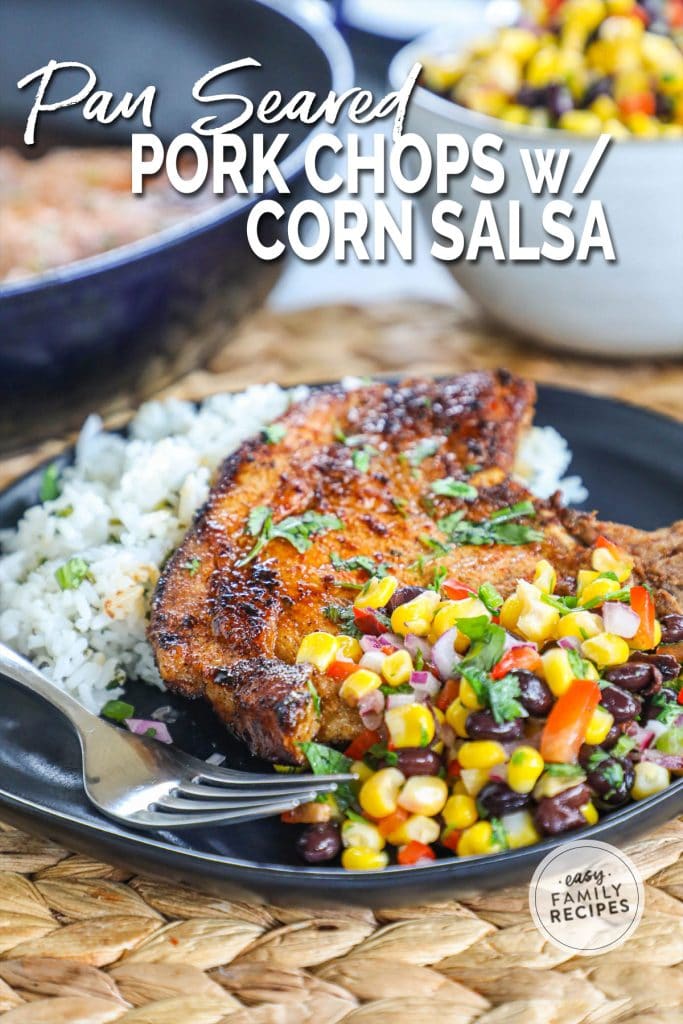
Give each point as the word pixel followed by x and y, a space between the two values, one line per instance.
pixel 76 202
pixel 372 576
pixel 587 66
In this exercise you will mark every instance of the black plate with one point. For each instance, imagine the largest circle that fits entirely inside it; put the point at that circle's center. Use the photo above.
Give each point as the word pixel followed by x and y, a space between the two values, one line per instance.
pixel 632 462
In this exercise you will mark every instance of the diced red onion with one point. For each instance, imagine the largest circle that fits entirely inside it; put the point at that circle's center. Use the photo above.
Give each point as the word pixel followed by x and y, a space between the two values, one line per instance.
pixel 371 643
pixel 165 714
pixel 642 736
pixel 397 700
pixel 674 762
pixel 445 658
pixel 445 733
pixel 619 619
pixel 569 643
pixel 657 728
pixel 373 660
pixel 425 684
pixel 413 644
pixel 391 640
pixel 499 773
pixel 148 726
pixel 513 641
pixel 371 709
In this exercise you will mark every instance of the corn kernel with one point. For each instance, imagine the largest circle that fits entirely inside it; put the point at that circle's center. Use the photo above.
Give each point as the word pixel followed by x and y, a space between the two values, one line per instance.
pixel 379 795
pixel 468 696
pixel 558 673
pixel 349 647
pixel 590 813
pixel 456 717
pixel 440 719
pixel 606 109
pixel 583 578
pixel 318 649
pixel 415 616
pixel 545 577
pixel 650 778
pixel 478 839
pixel 519 42
pixel 580 624
pixel 520 829
pixel 581 122
pixel 524 769
pixel 397 668
pixel 510 612
pixel 604 560
pixel 537 620
pixel 514 113
pixel 542 68
pixel 361 770
pixel 606 649
pixel 598 589
pixel 362 833
pixel 459 788
pixel 417 827
pixel 360 858
pixel 376 592
pixel 657 639
pixel 474 779
pixel 600 724
pixel 551 785
pixel 481 754
pixel 410 725
pixel 460 811
pixel 358 684
pixel 448 614
pixel 423 794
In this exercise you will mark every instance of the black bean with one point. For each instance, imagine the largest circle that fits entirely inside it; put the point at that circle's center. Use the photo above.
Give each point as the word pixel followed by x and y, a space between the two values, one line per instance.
pixel 672 628
pixel 654 705
pixel 562 813
pixel 603 87
pixel 534 694
pixel 622 706
pixel 612 736
pixel 481 725
pixel 402 596
pixel 559 100
pixel 318 843
pixel 632 676
pixel 418 761
pixel 530 96
pixel 496 799
pixel 611 780
pixel 667 666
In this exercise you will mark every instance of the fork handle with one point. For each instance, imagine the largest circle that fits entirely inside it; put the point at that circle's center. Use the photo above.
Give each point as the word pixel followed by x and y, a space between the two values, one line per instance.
pixel 23 672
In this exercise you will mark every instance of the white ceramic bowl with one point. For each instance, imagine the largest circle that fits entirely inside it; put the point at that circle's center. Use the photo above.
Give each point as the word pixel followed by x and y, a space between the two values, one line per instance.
pixel 627 308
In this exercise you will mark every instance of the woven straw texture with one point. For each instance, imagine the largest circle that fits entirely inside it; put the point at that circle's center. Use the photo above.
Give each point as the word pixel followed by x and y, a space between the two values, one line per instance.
pixel 82 942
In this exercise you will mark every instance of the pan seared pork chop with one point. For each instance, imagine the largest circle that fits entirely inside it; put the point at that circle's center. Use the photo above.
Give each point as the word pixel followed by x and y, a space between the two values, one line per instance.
pixel 349 474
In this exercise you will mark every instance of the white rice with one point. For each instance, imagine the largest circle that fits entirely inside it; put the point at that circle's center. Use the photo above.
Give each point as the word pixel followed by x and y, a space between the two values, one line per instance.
pixel 124 505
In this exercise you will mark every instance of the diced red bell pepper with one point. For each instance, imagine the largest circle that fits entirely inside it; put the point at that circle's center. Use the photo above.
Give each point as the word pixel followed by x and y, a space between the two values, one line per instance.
pixel 456 591
pixel 451 839
pixel 614 550
pixel 565 730
pixel 359 747
pixel 638 103
pixel 368 621
pixel 644 607
pixel 680 696
pixel 448 694
pixel 392 822
pixel 517 658
pixel 413 852
pixel 453 769
pixel 342 669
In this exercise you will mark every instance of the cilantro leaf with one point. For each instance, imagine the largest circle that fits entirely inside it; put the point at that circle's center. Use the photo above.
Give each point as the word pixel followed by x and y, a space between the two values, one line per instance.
pixel 342 616
pixel 579 666
pixel 440 574
pixel 49 483
pixel 192 565
pixel 498 529
pixel 70 575
pixel 325 760
pixel 623 746
pixel 360 457
pixel 424 449
pixel 564 771
pixel 498 833
pixel 363 562
pixel 297 530
pixel 451 488
pixel 274 432
pixel 502 698
pixel 378 752
pixel 314 695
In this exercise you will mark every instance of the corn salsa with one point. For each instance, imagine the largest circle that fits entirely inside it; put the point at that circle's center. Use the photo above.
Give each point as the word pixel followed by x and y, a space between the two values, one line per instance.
pixel 585 66
pixel 491 723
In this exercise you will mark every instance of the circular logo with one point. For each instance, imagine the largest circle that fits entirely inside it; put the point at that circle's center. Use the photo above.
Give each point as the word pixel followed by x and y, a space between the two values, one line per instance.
pixel 586 897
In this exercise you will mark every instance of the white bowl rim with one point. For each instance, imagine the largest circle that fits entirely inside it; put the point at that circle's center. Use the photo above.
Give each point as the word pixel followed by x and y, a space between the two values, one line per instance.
pixel 445 38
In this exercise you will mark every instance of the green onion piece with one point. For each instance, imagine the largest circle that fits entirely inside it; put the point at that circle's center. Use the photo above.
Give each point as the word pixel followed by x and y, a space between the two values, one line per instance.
pixel 117 710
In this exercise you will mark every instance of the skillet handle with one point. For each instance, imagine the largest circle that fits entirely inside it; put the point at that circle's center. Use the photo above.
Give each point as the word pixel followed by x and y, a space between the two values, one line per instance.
pixel 27 675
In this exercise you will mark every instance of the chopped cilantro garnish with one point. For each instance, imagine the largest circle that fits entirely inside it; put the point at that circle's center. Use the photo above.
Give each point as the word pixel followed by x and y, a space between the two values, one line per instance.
pixel 432 544
pixel 355 816
pixel 440 574
pixel 623 746
pixel 498 834
pixel 378 752
pixel 274 432
pixel 498 529
pixel 325 760
pixel 424 449
pixel 450 488
pixel 472 467
pixel 579 666
pixel 489 597
pixel 418 660
pixel 386 689
pixel 360 457
pixel 596 759
pixel 314 695
pixel 563 605
pixel 624 594
pixel 117 710
pixel 192 565
pixel 342 616
pixel 49 484
pixel 502 698
pixel 297 530
pixel 70 575
pixel 400 504
pixel 64 513
pixel 369 565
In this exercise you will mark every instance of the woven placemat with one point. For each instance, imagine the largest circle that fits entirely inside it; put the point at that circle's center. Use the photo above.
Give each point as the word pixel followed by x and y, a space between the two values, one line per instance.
pixel 82 942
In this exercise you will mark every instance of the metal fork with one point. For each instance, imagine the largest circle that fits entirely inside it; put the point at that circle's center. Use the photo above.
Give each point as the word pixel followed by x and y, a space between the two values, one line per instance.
pixel 147 784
